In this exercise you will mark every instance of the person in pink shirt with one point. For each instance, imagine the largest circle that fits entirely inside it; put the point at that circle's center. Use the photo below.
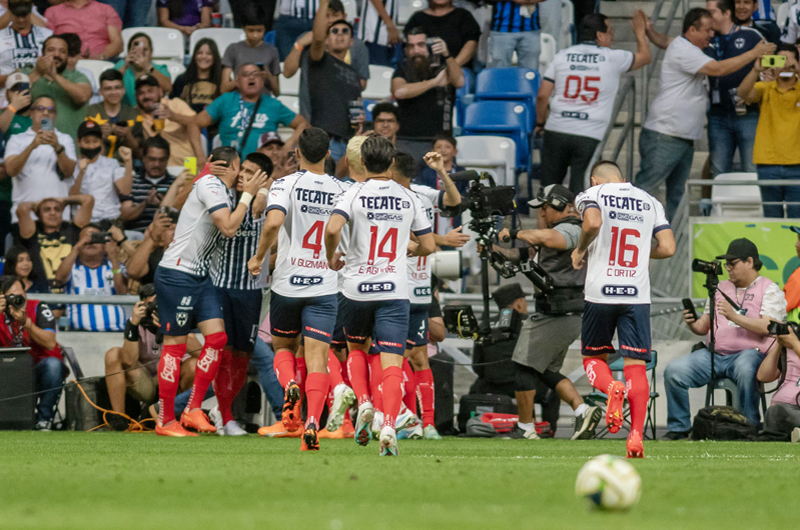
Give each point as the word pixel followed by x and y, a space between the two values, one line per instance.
pixel 783 361
pixel 97 24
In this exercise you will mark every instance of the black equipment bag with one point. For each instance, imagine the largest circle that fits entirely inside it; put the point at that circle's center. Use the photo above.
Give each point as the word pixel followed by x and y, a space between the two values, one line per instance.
pixel 17 379
pixel 722 423
pixel 442 369
pixel 81 415
pixel 477 404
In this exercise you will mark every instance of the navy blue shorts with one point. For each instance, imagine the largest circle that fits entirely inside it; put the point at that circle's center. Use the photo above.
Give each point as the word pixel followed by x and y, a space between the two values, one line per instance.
pixel 315 317
pixel 418 326
pixel 339 340
pixel 184 301
pixel 386 321
pixel 241 309
pixel 631 322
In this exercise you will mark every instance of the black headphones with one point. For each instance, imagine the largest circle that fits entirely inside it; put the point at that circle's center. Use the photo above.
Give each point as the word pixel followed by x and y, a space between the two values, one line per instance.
pixel 557 202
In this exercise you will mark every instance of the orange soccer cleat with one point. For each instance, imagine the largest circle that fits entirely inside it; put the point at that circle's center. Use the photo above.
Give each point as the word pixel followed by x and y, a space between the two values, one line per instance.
pixel 292 408
pixel 173 428
pixel 196 419
pixel 310 439
pixel 348 428
pixel 278 431
pixel 635 445
pixel 338 434
pixel 616 399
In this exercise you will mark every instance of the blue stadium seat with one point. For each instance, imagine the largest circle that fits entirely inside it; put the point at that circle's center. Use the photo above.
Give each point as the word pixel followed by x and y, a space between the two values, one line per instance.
pixel 512 84
pixel 511 119
pixel 464 96
pixel 368 104
pixel 269 37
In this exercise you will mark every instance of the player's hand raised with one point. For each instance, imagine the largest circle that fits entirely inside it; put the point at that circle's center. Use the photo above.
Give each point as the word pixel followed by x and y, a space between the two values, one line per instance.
pixel 455 238
pixel 578 260
pixel 254 183
pixel 434 161
pixel 254 265
pixel 336 262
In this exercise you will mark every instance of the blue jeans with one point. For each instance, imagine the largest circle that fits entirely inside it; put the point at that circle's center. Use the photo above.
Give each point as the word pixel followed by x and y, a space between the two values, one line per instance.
pixel 49 373
pixel 550 18
pixel 780 193
pixel 694 371
pixel 726 134
pixel 338 149
pixel 263 357
pixel 182 399
pixel 664 158
pixel 133 13
pixel 528 45
pixel 287 30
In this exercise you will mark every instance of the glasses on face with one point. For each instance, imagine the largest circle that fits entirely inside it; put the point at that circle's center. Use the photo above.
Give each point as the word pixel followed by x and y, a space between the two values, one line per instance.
pixel 731 263
pixel 47 110
pixel 250 74
pixel 343 31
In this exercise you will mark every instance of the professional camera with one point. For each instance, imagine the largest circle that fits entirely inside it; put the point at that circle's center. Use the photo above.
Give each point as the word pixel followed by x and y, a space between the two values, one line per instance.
pixel 17 301
pixel 509 267
pixel 782 328
pixel 151 309
pixel 485 203
pixel 460 320
pixel 707 267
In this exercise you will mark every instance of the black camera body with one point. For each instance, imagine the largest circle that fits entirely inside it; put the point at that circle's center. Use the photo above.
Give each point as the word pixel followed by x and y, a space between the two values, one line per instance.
pixel 782 328
pixel 460 320
pixel 712 268
pixel 170 212
pixel 507 268
pixel 17 301
pixel 100 238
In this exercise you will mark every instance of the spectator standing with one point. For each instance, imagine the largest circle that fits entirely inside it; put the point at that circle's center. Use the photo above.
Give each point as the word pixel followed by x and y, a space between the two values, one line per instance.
pixel 454 25
pixel 201 83
pixel 677 113
pixel 243 115
pixel 132 13
pixel 149 186
pixel 295 18
pixel 377 27
pixel 15 118
pixel 731 123
pixel 20 43
pixel 97 24
pixel 779 100
pixel 425 94
pixel 114 116
pixel 252 50
pixel 759 15
pixel 184 15
pixel 139 62
pixel 583 81
pixel 144 260
pixel 386 120
pixel 515 27
pixel 19 265
pixel 93 269
pixel 782 362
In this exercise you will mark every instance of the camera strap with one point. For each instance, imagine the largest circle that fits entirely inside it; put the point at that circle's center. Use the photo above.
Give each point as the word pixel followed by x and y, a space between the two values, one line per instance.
pixel 15 330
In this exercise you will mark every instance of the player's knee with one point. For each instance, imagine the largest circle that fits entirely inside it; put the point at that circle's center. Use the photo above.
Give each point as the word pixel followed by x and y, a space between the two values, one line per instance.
pixel 217 340
pixel 551 379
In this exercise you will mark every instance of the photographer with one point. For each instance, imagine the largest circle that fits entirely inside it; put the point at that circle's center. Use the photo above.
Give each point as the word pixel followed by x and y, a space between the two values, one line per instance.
pixel 546 336
pixel 30 323
pixel 741 338
pixel 782 361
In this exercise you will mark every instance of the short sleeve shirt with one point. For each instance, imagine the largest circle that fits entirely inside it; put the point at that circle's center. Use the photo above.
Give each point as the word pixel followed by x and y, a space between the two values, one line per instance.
pixel 571 233
pixel 191 11
pixel 130 80
pixel 70 115
pixel 241 53
pixel 90 21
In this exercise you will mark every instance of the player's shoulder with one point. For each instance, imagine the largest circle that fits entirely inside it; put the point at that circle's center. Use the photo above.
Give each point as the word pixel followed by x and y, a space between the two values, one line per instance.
pixel 287 181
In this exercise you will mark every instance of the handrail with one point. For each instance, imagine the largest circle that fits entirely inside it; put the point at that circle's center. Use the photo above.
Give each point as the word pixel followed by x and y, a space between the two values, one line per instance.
pixel 628 91
pixel 649 70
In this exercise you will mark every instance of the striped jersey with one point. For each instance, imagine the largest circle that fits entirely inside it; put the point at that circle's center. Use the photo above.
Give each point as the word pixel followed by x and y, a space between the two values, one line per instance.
pixel 94 282
pixel 229 263
pixel 196 236
pixel 140 187
pixel 419 268
pixel 371 27
pixel 299 8
pixel 511 17
pixel 19 51
pixel 764 11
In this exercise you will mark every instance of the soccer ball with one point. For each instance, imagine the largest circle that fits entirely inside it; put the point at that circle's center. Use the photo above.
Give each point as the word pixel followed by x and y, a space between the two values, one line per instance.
pixel 609 482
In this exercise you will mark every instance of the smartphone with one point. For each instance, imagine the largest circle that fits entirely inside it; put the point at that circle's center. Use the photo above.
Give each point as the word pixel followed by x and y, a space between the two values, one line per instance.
pixel 100 238
pixel 190 164
pixel 47 124
pixel 22 87
pixel 688 305
pixel 773 61
pixel 162 190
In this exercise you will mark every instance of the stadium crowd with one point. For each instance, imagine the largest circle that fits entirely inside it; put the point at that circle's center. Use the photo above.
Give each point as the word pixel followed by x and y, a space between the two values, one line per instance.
pixel 110 186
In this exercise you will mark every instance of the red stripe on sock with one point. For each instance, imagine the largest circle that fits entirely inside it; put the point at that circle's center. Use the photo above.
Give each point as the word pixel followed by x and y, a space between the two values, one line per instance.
pixel 358 373
pixel 285 367
pixel 316 391
pixel 426 393
pixel 638 392
pixel 409 387
pixel 207 367
pixel 392 394
pixel 169 379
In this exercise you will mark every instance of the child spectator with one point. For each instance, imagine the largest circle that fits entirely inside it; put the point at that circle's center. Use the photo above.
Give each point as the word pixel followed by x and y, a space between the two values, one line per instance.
pixel 139 62
pixel 252 50
pixel 19 264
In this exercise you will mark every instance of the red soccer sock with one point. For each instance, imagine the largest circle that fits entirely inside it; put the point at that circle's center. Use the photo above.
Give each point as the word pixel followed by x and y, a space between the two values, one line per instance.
pixel 169 379
pixel 409 387
pixel 207 367
pixel 302 374
pixel 358 373
pixel 599 373
pixel 638 392
pixel 316 390
pixel 425 391
pixel 285 367
pixel 392 394
pixel 375 380
pixel 223 386
pixel 334 370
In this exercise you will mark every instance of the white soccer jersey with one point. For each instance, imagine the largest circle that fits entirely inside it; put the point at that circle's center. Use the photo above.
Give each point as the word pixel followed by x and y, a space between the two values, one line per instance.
pixel 382 214
pixel 196 236
pixel 19 51
pixel 618 260
pixel 419 268
pixel 307 199
pixel 586 78
pixel 791 30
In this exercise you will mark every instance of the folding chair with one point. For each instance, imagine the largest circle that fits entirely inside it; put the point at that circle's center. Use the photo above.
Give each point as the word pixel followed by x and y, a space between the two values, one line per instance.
pixel 732 394
pixel 224 37
pixel 379 86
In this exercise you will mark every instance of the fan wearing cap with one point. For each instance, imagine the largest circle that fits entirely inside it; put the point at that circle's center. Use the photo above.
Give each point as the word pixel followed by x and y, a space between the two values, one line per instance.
pixel 545 337
pixel 741 338
pixel 20 42
pixel 100 176
pixel 15 118
pixel 270 144
pixel 791 288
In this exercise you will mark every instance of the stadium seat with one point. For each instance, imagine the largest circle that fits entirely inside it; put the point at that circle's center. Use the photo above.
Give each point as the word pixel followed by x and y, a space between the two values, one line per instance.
pixel 464 96
pixel 732 394
pixel 167 43
pixel 502 118
pixel 497 155
pixel 512 84
pixel 379 86
pixel 549 49
pixel 736 201
pixel 175 68
pixel 407 8
pixel 96 67
pixel 224 37
pixel 293 102
pixel 567 24
pixel 351 10
pixel 290 86
pixel 783 14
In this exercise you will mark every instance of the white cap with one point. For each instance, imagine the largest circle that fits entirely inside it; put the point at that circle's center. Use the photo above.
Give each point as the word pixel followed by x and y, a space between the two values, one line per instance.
pixel 15 78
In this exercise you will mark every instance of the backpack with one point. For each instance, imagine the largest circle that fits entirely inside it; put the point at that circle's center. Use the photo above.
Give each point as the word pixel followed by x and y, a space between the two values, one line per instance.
pixel 722 423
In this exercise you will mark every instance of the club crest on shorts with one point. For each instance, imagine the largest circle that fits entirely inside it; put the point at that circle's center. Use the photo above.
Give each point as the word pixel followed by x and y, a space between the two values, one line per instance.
pixel 181 318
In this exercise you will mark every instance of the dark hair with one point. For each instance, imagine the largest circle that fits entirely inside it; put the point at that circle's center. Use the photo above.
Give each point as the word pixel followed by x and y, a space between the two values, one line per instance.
pixel 12 257
pixel 139 35
pixel 384 106
pixel 51 37
pixel 694 18
pixel 725 5
pixel 330 166
pixel 590 25
pixel 404 164
pixel 789 48
pixel 226 153
pixel 313 144
pixel 346 23
pixel 263 162
pixel 73 41
pixel 155 142
pixel 6 282
pixel 336 6
pixel 111 74
pixel 416 30
pixel 377 153
pixel 447 137
pixel 190 77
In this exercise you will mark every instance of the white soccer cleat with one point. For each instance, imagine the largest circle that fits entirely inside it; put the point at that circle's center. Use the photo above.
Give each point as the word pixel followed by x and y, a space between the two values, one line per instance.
pixel 216 418
pixel 405 419
pixel 233 429
pixel 416 432
pixel 343 399
pixel 377 424
pixel 795 435
pixel 388 438
pixel 431 433
pixel 364 417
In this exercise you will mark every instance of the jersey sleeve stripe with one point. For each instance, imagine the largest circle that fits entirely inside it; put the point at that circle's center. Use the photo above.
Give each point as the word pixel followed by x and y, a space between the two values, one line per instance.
pixel 217 207
pixel 660 228
pixel 276 207
pixel 422 232
pixel 548 79
pixel 590 204
pixel 342 213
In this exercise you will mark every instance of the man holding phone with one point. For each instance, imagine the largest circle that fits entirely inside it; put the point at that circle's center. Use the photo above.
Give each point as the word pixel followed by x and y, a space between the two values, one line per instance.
pixel 21 42
pixel 149 186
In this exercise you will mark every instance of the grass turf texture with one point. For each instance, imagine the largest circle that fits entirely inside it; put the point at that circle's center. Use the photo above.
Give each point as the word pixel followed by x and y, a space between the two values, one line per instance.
pixel 116 480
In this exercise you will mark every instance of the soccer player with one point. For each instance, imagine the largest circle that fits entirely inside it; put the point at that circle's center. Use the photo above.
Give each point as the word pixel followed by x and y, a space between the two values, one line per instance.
pixel 381 214
pixel 240 295
pixel 184 290
pixel 303 287
pixel 619 223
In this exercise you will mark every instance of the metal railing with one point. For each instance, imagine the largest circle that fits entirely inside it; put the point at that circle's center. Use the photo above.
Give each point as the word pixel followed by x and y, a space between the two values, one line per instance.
pixel 649 70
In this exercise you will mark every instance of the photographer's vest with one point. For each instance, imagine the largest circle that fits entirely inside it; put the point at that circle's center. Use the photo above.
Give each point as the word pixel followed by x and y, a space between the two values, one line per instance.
pixel 13 334
pixel 731 338
pixel 567 295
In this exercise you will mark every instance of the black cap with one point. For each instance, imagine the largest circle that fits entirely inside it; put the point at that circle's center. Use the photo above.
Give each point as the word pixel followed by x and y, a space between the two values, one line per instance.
pixel 89 128
pixel 146 80
pixel 505 295
pixel 795 229
pixel 553 191
pixel 741 249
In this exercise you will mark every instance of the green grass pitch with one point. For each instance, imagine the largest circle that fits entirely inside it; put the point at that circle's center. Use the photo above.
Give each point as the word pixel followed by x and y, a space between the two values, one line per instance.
pixel 115 480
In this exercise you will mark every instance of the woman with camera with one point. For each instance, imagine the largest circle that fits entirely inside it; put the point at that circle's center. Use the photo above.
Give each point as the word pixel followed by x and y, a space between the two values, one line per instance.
pixel 139 62
pixel 783 362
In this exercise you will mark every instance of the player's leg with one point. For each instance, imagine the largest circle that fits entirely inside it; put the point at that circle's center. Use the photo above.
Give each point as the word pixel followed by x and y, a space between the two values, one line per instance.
pixel 634 344
pixel 285 322
pixel 426 393
pixel 358 318
pixel 391 331
pixel 341 396
pixel 525 391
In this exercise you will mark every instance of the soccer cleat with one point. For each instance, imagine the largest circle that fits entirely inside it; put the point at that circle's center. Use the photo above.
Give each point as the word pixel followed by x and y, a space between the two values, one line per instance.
pixel 635 445
pixel 431 433
pixel 347 427
pixel 518 433
pixel 233 429
pixel 586 423
pixel 377 424
pixel 338 434
pixel 196 419
pixel 291 415
pixel 616 399
pixel 343 399
pixel 278 431
pixel 388 438
pixel 216 418
pixel 410 433
pixel 310 438
pixel 405 419
pixel 363 419
pixel 173 428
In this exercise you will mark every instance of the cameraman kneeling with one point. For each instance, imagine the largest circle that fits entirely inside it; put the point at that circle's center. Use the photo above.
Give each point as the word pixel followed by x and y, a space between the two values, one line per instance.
pixel 546 336
pixel 30 323
pixel 783 361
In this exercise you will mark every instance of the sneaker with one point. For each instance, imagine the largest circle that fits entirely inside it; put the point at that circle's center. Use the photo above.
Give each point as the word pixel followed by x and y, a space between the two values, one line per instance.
pixel 196 419
pixel 431 433
pixel 291 415
pixel 635 445
pixel 616 399
pixel 215 417
pixel 43 426
pixel 405 419
pixel 388 439
pixel 363 419
pixel 117 422
pixel 672 436
pixel 233 429
pixel 278 431
pixel 310 438
pixel 796 435
pixel 518 433
pixel 343 399
pixel 586 423
pixel 377 424
pixel 173 428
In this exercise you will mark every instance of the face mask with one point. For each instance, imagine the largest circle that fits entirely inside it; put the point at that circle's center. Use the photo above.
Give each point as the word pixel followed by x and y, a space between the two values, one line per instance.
pixel 786 74
pixel 91 153
pixel 21 11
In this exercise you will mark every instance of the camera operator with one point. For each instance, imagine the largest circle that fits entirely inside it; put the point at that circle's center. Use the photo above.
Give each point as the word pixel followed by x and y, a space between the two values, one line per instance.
pixel 30 323
pixel 741 338
pixel 546 336
pixel 783 361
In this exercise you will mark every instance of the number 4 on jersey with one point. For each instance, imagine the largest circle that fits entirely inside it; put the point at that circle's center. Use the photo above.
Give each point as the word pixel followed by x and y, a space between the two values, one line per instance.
pixel 313 238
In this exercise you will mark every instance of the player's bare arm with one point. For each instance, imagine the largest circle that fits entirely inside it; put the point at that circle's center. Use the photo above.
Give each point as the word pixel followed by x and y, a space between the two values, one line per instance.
pixel 592 221
pixel 228 222
pixel 665 245
pixel 269 235
pixel 451 195
pixel 333 234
